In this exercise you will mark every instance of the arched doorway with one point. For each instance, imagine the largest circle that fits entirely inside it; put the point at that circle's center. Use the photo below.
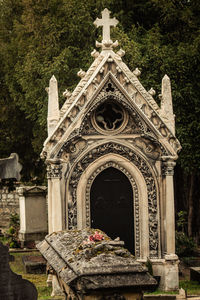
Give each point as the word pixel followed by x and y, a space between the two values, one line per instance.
pixel 111 206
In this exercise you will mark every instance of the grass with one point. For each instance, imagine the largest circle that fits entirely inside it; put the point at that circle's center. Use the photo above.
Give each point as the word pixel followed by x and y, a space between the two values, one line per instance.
pixel 192 287
pixel 159 292
pixel 39 280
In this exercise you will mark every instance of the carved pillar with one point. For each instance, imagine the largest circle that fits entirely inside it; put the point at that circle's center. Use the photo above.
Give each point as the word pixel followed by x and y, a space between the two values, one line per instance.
pixel 55 211
pixel 168 172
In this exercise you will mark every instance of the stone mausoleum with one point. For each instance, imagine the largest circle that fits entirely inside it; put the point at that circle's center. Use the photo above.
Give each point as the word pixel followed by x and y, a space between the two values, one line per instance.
pixel 110 155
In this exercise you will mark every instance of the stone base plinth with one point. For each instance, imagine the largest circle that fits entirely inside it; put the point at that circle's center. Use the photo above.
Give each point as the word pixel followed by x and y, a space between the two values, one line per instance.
pixel 167 269
pixel 25 237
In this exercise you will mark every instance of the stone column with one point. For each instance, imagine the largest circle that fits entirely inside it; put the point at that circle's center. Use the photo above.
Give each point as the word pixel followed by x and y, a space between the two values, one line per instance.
pixel 49 197
pixel 55 211
pixel 55 207
pixel 168 172
pixel 170 279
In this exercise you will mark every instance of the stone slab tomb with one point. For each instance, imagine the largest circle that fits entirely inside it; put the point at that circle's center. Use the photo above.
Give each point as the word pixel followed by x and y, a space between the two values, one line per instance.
pixel 89 265
pixel 110 154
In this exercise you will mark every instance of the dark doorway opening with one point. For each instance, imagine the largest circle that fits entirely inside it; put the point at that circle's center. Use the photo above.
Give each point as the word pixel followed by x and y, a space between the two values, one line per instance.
pixel 111 202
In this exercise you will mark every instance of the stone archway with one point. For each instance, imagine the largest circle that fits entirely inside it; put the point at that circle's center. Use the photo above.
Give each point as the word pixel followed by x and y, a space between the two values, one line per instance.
pixel 92 163
pixel 112 207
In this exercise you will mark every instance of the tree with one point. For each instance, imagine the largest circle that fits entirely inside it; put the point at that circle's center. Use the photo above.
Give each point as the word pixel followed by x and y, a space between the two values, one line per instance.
pixel 42 38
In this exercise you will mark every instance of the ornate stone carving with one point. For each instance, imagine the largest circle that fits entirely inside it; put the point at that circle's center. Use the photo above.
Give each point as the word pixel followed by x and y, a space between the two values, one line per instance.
pixel 148 147
pixel 140 163
pixel 135 199
pixel 130 128
pixel 168 168
pixel 111 93
pixel 72 137
pixel 72 148
pixel 54 170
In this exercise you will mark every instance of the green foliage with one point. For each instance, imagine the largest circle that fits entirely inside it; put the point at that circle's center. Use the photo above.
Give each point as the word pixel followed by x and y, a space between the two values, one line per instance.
pixel 11 230
pixel 14 221
pixel 185 246
pixel 149 266
pixel 11 238
pixel 42 38
pixel 192 287
pixel 182 220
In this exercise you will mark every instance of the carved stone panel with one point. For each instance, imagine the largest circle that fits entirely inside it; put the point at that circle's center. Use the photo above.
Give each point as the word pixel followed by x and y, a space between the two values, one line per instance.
pixel 141 164
pixel 54 171
pixel 111 94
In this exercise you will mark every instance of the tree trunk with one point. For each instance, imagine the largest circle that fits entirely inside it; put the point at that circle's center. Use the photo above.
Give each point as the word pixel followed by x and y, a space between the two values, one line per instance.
pixel 190 203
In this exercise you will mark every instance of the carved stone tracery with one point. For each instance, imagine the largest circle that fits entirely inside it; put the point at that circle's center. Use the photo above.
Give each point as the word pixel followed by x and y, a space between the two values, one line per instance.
pixel 135 124
pixel 54 170
pixel 140 163
pixel 112 93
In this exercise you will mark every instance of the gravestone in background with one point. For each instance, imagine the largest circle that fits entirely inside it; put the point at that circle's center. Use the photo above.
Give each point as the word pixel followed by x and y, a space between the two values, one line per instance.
pixel 33 213
pixel 10 167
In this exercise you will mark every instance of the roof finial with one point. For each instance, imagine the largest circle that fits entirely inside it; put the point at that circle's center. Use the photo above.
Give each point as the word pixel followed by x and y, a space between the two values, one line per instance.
pixel 106 23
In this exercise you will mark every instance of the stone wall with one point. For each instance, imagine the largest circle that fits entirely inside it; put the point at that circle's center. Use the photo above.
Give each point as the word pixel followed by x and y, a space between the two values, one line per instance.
pixel 9 204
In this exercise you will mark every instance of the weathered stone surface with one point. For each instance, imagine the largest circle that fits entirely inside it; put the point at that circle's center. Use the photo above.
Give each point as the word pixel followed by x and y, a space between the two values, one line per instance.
pixel 13 286
pixel 33 213
pixel 10 167
pixel 82 260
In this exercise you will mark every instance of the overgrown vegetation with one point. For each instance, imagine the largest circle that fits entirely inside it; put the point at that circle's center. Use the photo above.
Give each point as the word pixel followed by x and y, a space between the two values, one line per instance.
pixel 192 287
pixel 10 238
pixel 185 246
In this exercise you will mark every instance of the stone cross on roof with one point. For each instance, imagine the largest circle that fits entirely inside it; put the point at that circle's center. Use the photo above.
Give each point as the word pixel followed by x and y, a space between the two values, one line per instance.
pixel 106 22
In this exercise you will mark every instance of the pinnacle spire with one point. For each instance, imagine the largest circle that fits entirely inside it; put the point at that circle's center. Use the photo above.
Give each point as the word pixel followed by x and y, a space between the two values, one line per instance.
pixel 53 105
pixel 166 103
